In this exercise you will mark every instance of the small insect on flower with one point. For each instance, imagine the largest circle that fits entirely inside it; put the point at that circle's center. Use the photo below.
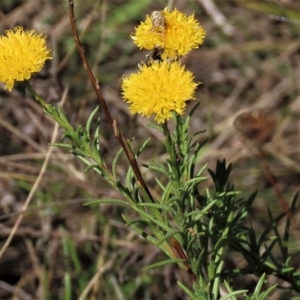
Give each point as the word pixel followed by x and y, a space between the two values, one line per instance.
pixel 158 23
pixel 174 31
pixel 153 56
pixel 256 126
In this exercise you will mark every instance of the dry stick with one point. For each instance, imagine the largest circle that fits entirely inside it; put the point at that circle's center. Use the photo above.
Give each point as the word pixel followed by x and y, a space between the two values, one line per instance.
pixel 96 288
pixel 217 16
pixel 95 278
pixel 272 180
pixel 20 135
pixel 11 289
pixel 38 269
pixel 113 122
pixel 35 186
pixel 170 4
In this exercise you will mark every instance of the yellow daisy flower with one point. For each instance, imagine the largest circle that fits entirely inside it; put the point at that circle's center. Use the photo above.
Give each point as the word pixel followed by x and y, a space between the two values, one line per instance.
pixel 159 89
pixel 22 53
pixel 178 34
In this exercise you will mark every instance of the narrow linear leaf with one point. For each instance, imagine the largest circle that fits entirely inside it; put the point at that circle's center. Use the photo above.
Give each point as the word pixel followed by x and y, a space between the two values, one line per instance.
pixel 166 262
pixel 187 291
pixel 158 206
pixel 68 146
pixel 107 201
pixel 229 296
pixel 201 212
pixel 152 219
pixel 168 235
pixel 115 161
pixel 89 121
pixel 142 148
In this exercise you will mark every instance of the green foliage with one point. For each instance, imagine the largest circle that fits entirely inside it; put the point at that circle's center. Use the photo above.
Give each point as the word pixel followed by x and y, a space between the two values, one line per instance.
pixel 195 230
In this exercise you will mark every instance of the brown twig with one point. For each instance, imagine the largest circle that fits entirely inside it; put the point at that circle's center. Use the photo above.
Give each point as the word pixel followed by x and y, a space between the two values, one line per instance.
pixel 179 253
pixel 272 180
pixel 113 122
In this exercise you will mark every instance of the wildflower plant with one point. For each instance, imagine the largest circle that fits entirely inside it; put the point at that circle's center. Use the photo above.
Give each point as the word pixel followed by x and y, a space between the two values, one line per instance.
pixel 194 228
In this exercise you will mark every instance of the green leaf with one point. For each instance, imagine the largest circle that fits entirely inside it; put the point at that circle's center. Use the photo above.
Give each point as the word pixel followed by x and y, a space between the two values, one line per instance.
pixel 88 123
pixel 268 254
pixel 158 206
pixel 166 262
pixel 266 293
pixel 155 126
pixel 192 240
pixel 140 231
pixel 88 168
pixel 151 218
pixel 259 286
pixel 217 278
pixel 194 108
pixel 107 201
pixel 188 292
pixel 286 234
pixel 271 225
pixel 168 235
pixel 201 263
pixel 230 295
pixel 142 148
pixel 157 166
pixel 130 179
pixel 287 270
pixel 96 149
pixel 137 221
pixel 61 145
pixel 195 181
pixel 201 170
pixel 221 176
pixel 115 161
pixel 202 212
pixel 160 184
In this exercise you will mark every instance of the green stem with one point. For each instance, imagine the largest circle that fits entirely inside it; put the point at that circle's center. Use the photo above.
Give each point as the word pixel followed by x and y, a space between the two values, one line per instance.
pixel 56 114
pixel 170 147
pixel 39 99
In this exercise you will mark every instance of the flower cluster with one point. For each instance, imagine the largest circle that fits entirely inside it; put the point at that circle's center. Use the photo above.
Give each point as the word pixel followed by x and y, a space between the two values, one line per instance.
pixel 22 53
pixel 162 84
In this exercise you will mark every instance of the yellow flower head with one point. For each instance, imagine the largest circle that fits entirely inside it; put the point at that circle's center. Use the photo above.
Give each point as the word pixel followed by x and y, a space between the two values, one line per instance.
pixel 159 89
pixel 22 53
pixel 177 33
